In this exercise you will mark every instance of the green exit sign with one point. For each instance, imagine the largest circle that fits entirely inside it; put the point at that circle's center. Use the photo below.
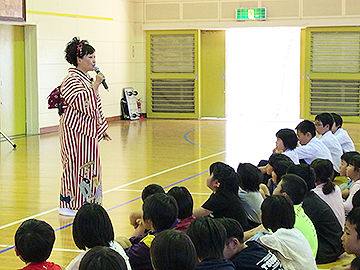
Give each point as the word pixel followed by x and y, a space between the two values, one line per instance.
pixel 251 14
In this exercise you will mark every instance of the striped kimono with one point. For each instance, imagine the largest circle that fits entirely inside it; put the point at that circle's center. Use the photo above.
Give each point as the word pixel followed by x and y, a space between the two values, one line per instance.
pixel 82 126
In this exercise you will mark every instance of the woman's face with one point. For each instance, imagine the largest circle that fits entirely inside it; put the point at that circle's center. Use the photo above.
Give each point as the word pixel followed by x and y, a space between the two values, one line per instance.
pixel 87 63
pixel 280 144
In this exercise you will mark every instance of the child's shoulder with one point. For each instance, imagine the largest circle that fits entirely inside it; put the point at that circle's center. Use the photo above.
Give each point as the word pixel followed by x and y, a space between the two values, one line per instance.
pixel 42 265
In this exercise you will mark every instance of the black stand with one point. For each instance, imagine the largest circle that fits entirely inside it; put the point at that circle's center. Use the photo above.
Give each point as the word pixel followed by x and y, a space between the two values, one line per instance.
pixel 8 139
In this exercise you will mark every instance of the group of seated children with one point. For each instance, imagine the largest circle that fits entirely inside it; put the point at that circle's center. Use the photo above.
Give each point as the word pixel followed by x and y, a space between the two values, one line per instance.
pixel 294 223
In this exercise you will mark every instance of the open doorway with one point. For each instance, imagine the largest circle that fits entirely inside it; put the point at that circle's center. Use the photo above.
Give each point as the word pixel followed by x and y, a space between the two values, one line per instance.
pixel 262 89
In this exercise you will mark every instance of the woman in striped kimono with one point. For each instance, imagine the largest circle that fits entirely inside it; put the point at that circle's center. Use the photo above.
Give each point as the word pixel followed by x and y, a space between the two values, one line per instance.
pixel 82 126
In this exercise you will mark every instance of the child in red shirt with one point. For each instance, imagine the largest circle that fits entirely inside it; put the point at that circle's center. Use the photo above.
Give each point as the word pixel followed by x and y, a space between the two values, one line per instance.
pixel 34 240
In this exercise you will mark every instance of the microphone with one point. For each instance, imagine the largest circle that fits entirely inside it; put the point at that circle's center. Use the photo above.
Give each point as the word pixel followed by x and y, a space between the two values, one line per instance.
pixel 97 70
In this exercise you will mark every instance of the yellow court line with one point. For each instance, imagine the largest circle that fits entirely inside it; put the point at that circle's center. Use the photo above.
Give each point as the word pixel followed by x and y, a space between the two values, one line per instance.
pixel 69 15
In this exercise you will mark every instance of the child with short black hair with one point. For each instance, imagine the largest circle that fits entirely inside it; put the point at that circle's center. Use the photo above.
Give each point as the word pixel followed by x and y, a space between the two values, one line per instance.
pixel 288 243
pixel 209 236
pixel 341 134
pixel 345 160
pixel 251 255
pixel 185 204
pixel 324 123
pixel 310 147
pixel 34 240
pixel 224 201
pixel 353 172
pixel 100 258
pixel 173 250
pixel 250 179
pixel 286 142
pixel 92 227
pixel 136 216
pixel 159 213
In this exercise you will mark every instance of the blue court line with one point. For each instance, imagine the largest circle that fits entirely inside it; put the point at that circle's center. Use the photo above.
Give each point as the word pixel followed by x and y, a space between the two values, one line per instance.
pixel 117 206
pixel 187 133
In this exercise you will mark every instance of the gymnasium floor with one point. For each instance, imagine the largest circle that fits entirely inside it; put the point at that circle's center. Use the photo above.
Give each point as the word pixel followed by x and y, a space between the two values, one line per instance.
pixel 167 152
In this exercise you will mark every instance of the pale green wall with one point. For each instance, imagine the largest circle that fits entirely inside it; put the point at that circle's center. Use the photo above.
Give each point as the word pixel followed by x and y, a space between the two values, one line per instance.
pixel 12 75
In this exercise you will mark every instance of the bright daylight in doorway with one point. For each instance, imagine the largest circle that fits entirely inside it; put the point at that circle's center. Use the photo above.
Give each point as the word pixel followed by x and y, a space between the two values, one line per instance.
pixel 262 89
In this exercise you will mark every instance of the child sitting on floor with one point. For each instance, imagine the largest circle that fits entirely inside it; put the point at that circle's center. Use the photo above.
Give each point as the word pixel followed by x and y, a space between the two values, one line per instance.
pixel 341 134
pixel 224 201
pixel 92 227
pixel 100 258
pixel 34 240
pixel 159 213
pixel 185 204
pixel 353 172
pixel 286 142
pixel 345 160
pixel 173 250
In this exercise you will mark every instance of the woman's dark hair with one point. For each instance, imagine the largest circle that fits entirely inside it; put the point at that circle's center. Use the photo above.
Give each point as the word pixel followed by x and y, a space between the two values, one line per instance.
pixel 150 190
pixel 250 176
pixel 92 227
pixel 161 209
pixel 227 177
pixel 355 161
pixel 208 236
pixel 348 155
pixel 77 48
pixel 34 240
pixel 324 171
pixel 184 201
pixel 288 136
pixel 99 258
pixel 277 211
pixel 173 250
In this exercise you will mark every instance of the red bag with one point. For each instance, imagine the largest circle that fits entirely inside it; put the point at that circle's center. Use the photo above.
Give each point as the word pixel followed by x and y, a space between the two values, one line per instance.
pixel 55 101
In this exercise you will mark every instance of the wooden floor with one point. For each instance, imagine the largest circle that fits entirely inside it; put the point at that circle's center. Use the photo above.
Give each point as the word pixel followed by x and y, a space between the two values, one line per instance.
pixel 167 152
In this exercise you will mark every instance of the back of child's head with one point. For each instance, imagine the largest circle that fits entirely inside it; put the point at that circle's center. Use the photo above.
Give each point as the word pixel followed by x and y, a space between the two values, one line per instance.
pixel 288 136
pixel 173 250
pixel 276 157
pixel 208 236
pixel 356 199
pixel 184 201
pixel 150 190
pixel 306 172
pixel 354 219
pixel 92 227
pixel 34 240
pixel 227 177
pixel 102 258
pixel 355 161
pixel 250 176
pixel 295 187
pixel 355 263
pixel 281 167
pixel 337 119
pixel 348 155
pixel 277 212
pixel 325 119
pixel 324 174
pixel 161 209
pixel 233 229
pixel 307 126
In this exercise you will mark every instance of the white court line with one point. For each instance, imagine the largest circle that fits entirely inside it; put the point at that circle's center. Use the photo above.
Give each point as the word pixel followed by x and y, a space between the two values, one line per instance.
pixel 116 188
pixel 68 250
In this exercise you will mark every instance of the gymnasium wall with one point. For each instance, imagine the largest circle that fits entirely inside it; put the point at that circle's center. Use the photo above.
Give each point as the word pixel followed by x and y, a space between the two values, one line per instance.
pixel 116 28
pixel 107 24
